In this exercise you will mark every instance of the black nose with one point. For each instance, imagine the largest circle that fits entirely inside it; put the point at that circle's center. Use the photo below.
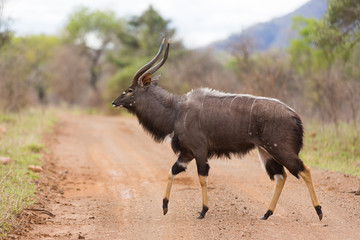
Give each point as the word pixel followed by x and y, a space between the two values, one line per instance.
pixel 113 103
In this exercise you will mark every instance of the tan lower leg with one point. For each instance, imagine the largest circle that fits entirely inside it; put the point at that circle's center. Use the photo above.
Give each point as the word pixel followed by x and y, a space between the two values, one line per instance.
pixel 306 175
pixel 203 183
pixel 280 182
pixel 169 184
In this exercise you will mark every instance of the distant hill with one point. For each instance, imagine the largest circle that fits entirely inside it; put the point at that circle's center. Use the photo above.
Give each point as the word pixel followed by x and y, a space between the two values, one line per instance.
pixel 277 32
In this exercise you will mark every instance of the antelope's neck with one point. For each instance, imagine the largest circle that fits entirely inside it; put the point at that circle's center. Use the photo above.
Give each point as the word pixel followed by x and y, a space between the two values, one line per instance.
pixel 156 111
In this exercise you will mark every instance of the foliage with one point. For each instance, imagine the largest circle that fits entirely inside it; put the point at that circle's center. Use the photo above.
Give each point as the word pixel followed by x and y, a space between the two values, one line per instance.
pixel 323 41
pixel 305 56
pixel 22 143
pixel 343 22
pixel 331 37
pixel 83 22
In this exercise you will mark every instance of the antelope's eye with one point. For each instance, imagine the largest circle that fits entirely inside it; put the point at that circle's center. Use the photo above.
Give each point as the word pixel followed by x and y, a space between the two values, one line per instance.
pixel 129 90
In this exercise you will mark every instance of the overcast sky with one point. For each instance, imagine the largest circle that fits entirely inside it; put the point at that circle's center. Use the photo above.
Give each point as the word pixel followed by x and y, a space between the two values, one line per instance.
pixel 197 22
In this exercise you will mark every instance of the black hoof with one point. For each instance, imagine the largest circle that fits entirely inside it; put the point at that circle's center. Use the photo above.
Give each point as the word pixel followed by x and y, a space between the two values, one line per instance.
pixel 267 215
pixel 319 212
pixel 165 205
pixel 203 212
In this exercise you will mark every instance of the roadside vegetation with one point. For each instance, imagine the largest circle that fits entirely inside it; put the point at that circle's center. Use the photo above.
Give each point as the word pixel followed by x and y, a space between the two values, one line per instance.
pixel 332 147
pixel 20 147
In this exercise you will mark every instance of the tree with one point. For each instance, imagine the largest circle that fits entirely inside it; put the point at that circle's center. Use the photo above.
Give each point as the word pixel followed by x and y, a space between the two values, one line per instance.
pixel 342 22
pixel 149 29
pixel 94 32
pixel 321 53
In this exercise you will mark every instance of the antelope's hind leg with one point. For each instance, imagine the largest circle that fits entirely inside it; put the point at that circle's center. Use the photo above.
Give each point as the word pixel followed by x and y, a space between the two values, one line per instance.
pixel 306 175
pixel 178 167
pixel 277 172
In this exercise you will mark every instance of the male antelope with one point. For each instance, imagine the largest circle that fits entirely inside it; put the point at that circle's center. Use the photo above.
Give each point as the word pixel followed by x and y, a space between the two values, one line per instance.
pixel 205 122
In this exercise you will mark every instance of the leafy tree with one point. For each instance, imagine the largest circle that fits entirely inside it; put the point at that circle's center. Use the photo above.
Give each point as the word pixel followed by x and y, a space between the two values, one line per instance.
pixel 141 38
pixel 342 20
pixel 321 53
pixel 323 41
pixel 94 32
pixel 149 29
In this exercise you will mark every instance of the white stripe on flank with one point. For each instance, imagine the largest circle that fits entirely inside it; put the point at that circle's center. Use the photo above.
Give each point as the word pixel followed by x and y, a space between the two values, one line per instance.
pixel 262 161
pixel 169 137
pixel 278 176
pixel 183 164
pixel 212 92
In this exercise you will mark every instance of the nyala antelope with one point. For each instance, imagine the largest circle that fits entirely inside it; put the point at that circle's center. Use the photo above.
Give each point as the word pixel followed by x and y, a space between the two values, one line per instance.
pixel 205 123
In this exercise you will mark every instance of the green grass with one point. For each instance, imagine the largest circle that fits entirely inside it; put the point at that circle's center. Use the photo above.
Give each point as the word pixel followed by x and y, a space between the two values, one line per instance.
pixel 22 143
pixel 326 148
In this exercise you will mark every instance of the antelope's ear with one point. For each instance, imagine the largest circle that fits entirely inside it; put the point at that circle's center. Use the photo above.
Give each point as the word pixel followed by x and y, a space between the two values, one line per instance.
pixel 145 80
pixel 155 80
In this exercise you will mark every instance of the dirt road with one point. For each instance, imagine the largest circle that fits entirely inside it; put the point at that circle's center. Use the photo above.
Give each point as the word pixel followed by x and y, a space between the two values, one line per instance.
pixel 106 179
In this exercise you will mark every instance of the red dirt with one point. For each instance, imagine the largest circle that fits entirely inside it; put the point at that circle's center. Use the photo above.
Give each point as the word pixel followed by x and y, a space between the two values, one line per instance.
pixel 106 178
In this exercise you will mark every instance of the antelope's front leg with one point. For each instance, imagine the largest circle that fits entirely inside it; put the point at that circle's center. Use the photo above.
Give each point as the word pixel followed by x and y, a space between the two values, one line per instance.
pixel 167 192
pixel 178 167
pixel 203 182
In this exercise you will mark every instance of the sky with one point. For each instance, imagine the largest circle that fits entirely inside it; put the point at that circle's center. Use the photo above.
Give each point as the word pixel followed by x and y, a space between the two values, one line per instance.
pixel 197 22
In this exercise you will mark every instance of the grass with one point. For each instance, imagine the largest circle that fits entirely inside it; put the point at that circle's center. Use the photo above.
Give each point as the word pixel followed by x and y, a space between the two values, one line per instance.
pixel 22 143
pixel 326 148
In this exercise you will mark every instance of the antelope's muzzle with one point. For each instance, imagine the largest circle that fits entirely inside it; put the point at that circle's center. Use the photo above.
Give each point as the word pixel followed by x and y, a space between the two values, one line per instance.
pixel 116 105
